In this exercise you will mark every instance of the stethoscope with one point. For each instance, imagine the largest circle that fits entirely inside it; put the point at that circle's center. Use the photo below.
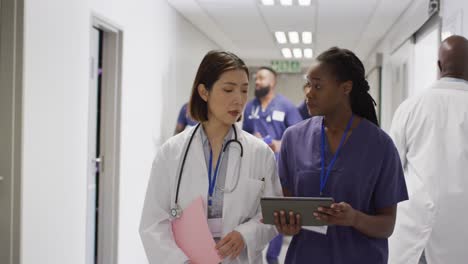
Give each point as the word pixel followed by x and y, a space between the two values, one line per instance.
pixel 176 211
pixel 254 113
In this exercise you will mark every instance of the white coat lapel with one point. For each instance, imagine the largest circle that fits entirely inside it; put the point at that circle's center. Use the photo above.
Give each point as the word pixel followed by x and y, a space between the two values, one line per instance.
pixel 231 202
pixel 194 179
pixel 234 162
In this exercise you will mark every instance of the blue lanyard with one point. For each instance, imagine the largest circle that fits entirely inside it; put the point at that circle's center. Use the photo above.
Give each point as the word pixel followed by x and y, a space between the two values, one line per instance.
pixel 212 181
pixel 325 174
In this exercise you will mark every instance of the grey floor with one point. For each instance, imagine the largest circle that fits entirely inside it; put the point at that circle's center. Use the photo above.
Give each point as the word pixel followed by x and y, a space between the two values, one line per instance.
pixel 287 240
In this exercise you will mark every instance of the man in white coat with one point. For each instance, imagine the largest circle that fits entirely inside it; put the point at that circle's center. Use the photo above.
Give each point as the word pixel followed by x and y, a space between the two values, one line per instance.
pixel 431 135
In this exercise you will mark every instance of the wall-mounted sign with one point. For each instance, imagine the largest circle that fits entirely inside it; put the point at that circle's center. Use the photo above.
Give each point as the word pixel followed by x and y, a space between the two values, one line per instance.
pixel 286 66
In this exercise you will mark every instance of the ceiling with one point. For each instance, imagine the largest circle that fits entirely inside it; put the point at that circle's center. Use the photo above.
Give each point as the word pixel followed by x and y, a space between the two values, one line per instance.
pixel 246 27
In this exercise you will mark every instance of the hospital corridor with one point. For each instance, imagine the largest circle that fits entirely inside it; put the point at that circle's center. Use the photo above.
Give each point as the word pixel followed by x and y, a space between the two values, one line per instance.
pixel 233 131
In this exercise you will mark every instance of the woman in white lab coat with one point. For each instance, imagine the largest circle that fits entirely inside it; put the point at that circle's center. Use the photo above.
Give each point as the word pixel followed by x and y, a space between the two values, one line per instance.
pixel 231 182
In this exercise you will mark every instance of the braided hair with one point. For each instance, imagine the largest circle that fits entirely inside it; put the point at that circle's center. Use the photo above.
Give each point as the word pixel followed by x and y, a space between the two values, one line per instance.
pixel 346 66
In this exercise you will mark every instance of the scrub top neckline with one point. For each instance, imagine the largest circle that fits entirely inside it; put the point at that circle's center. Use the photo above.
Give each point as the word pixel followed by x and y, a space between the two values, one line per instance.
pixel 269 106
pixel 344 148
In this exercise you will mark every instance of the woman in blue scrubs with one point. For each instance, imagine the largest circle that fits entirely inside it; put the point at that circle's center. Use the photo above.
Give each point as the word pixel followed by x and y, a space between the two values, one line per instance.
pixel 342 153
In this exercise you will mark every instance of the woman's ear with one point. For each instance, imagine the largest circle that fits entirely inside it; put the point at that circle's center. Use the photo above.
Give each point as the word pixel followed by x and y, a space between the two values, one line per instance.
pixel 203 92
pixel 348 87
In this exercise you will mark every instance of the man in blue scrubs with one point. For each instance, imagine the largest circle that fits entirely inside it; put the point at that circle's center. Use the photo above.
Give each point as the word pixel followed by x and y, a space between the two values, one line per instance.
pixel 267 116
pixel 184 120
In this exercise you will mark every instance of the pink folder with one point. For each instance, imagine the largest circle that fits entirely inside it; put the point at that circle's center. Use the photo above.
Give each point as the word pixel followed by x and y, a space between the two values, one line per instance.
pixel 192 235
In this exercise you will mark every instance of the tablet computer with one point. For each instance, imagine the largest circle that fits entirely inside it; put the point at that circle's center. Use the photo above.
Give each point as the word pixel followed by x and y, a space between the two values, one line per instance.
pixel 305 206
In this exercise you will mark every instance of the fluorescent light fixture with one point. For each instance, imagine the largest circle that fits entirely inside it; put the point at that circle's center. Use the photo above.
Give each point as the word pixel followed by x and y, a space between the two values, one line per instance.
pixel 268 2
pixel 308 53
pixel 307 37
pixel 281 37
pixel 304 2
pixel 297 53
pixel 286 2
pixel 286 53
pixel 293 37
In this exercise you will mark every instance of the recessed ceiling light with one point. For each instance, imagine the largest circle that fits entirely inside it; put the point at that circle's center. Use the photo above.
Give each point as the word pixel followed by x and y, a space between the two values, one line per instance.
pixel 286 53
pixel 304 2
pixel 307 37
pixel 268 2
pixel 308 53
pixel 286 2
pixel 293 37
pixel 297 53
pixel 281 37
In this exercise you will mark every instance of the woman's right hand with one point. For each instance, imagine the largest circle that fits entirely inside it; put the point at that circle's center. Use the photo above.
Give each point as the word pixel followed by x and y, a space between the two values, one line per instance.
pixel 289 229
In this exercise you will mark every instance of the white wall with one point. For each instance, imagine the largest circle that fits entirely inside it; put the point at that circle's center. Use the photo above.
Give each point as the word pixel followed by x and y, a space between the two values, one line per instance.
pixel 160 54
pixel 426 51
pixel 455 16
pixel 291 86
pixel 397 52
pixel 56 48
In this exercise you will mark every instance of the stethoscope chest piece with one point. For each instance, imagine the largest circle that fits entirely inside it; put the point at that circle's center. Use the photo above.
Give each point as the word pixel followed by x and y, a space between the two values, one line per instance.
pixel 176 212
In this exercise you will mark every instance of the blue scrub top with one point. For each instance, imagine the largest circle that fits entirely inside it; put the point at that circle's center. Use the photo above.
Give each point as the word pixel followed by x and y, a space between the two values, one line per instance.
pixel 367 174
pixel 277 117
pixel 302 108
pixel 184 118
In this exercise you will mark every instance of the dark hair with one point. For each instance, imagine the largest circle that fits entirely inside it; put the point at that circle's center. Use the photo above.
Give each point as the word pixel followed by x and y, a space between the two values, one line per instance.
pixel 213 65
pixel 346 66
pixel 268 69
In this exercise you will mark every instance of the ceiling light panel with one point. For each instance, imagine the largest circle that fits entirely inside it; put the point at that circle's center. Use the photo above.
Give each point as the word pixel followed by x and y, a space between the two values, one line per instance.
pixel 268 2
pixel 308 53
pixel 286 53
pixel 307 37
pixel 297 53
pixel 281 37
pixel 304 2
pixel 293 37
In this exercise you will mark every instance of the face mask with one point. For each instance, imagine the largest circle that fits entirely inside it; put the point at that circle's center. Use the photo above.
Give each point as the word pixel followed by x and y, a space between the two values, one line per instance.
pixel 262 92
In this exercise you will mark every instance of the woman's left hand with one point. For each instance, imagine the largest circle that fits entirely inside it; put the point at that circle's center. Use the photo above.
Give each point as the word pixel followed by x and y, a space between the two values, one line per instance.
pixel 231 245
pixel 338 214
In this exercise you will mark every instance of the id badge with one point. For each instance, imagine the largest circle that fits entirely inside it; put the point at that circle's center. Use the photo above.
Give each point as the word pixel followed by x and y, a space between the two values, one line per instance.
pixel 317 229
pixel 216 226
pixel 278 116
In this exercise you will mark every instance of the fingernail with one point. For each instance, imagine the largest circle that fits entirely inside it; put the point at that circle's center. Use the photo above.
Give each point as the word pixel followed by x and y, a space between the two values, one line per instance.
pixel 320 209
pixel 315 214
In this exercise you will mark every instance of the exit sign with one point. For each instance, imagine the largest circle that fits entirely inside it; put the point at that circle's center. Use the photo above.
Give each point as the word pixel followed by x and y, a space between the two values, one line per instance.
pixel 286 66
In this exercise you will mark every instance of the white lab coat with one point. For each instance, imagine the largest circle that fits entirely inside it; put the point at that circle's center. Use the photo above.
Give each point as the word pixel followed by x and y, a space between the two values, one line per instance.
pixel 241 209
pixel 431 135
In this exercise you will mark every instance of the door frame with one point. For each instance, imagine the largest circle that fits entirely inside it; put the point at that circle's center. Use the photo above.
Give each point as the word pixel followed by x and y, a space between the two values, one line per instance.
pixel 11 99
pixel 111 91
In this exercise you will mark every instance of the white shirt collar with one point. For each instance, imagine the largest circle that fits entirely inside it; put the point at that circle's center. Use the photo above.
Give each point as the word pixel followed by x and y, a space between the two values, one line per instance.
pixel 451 79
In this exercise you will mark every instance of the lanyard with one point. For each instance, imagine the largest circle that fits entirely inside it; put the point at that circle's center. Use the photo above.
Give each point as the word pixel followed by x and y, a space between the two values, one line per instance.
pixel 325 174
pixel 212 181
